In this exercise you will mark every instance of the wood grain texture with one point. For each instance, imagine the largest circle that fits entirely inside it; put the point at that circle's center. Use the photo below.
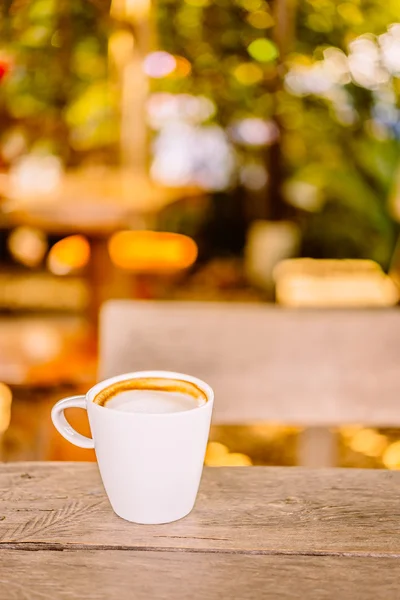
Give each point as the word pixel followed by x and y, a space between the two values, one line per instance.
pixel 257 510
pixel 101 575
pixel 310 367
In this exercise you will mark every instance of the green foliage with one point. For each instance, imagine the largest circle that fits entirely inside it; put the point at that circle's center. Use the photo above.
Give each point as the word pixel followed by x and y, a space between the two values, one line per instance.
pixel 356 161
pixel 339 145
pixel 329 140
pixel 56 92
pixel 220 42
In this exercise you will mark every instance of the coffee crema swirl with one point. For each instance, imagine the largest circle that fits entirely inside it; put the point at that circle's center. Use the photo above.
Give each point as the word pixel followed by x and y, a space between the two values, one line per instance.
pixel 156 384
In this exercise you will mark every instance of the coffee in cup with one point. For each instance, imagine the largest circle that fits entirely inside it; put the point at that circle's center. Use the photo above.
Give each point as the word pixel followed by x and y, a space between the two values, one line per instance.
pixel 151 395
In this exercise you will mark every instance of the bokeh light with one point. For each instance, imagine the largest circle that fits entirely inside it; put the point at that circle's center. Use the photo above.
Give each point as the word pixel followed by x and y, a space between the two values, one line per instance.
pixel 260 19
pixel 27 245
pixel 350 13
pixel 13 145
pixel 121 45
pixel 41 342
pixel 152 251
pixel 251 5
pixel 159 64
pixel 186 154
pixel 5 407
pixel 304 195
pixel 236 459
pixel 365 63
pixel 215 453
pixel 137 10
pixel 319 77
pixel 68 255
pixel 368 442
pixel 390 49
pixel 248 73
pixel 131 10
pixel 33 175
pixel 254 132
pixel 218 455
pixel 263 50
pixel 6 62
pixel 164 108
pixel 182 67
pixel 391 456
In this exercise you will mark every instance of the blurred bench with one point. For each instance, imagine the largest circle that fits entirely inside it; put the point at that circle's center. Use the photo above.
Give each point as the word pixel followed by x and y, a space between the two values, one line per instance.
pixel 316 369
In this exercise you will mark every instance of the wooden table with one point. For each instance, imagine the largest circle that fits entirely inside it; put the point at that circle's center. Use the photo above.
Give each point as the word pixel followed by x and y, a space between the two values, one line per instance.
pixel 276 533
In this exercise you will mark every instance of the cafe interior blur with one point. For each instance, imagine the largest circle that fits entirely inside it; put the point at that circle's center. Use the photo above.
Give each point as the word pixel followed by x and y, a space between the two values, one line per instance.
pixel 195 150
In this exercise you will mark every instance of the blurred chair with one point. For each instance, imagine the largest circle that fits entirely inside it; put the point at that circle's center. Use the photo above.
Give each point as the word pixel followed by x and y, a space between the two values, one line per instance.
pixel 316 369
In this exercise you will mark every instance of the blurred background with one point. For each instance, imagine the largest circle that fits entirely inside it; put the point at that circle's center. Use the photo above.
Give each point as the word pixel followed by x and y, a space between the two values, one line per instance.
pixel 238 151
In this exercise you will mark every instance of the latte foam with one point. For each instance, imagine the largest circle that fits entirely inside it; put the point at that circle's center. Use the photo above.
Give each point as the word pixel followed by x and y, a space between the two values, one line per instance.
pixel 151 396
pixel 151 402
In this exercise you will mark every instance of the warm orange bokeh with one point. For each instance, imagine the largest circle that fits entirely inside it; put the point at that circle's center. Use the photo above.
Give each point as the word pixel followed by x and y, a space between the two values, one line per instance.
pixel 151 251
pixel 69 254
pixel 183 67
pixel 5 407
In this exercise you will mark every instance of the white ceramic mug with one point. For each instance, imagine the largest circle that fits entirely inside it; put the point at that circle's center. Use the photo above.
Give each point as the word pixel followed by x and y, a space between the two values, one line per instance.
pixel 151 464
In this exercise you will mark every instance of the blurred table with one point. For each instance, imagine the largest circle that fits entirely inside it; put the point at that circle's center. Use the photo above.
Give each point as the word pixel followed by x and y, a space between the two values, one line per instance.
pixel 94 202
pixel 255 532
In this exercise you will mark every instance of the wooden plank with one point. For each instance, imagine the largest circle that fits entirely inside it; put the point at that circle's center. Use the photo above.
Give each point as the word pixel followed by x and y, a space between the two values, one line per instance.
pixel 307 367
pixel 96 575
pixel 256 509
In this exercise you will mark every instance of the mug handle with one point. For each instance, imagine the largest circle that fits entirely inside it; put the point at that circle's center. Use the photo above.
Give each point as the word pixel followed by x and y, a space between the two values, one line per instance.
pixel 62 425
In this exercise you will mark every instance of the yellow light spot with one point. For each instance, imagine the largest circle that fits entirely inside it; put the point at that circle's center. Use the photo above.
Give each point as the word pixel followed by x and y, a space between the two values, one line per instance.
pixel 350 13
pixel 27 245
pixel 5 407
pixel 300 59
pixel 263 50
pixel 137 9
pixel 218 455
pixel 68 255
pixel 120 47
pixel 151 251
pixel 368 442
pixel 248 73
pixel 214 454
pixel 260 19
pixel 251 5
pixel 391 457
pixel 349 431
pixel 236 459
